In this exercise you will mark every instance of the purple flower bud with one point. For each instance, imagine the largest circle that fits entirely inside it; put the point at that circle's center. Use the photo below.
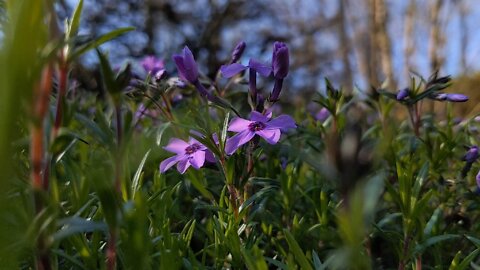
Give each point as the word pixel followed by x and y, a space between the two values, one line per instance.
pixel 471 155
pixel 280 63
pixel 186 66
pixel 280 60
pixel 403 94
pixel 238 51
pixel 456 98
pixel 322 115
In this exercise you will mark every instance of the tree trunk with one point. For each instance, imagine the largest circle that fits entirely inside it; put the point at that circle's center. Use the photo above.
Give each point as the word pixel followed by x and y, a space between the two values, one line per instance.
pixel 345 45
pixel 409 37
pixel 382 40
pixel 436 37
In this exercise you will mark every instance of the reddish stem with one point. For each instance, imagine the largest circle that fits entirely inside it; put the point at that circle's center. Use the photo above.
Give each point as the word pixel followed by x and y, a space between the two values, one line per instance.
pixel 42 93
pixel 62 90
pixel 111 250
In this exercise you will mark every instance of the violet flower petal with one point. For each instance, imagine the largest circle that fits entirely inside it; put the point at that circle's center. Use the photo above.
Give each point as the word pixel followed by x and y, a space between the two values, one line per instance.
pixel 197 159
pixel 168 163
pixel 258 117
pixel 178 59
pixel 457 97
pixel 176 146
pixel 231 70
pixel 209 157
pixel 238 124
pixel 238 140
pixel 191 71
pixel 183 165
pixel 270 135
pixel 282 122
pixel 260 68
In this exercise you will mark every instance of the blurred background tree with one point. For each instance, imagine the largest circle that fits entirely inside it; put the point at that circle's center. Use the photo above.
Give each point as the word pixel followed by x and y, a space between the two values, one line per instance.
pixel 352 42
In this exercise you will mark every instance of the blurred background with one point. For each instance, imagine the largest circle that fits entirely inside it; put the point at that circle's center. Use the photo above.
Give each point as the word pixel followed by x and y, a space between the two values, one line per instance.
pixel 355 43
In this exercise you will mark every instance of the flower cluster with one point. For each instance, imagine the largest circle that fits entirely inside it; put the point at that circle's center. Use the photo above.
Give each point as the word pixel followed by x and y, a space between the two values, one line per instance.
pixel 193 153
pixel 278 69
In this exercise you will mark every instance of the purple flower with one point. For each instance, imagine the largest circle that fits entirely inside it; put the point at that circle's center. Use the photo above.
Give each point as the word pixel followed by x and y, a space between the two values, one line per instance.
pixel 238 51
pixel 154 66
pixel 259 124
pixel 403 94
pixel 471 155
pixel 186 66
pixel 280 63
pixel 192 153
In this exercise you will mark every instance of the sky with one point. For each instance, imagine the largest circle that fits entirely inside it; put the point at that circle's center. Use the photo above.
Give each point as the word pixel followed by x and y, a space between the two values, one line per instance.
pixel 307 9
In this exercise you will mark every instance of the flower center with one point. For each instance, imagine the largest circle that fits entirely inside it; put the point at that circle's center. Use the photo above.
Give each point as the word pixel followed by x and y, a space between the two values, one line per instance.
pixel 256 126
pixel 192 148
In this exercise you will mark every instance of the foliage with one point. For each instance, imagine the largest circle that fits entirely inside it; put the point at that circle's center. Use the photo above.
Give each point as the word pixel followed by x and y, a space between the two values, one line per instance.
pixel 361 189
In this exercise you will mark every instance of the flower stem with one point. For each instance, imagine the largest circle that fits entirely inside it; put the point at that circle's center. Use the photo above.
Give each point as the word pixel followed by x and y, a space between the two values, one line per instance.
pixel 62 90
pixel 111 250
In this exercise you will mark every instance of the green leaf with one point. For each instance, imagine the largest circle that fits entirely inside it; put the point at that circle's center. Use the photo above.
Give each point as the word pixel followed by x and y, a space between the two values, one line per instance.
pixel 432 241
pixel 71 259
pixel 420 179
pixel 161 129
pixel 98 41
pixel 474 240
pixel 465 262
pixel 94 129
pixel 74 225
pixel 223 137
pixel 264 192
pixel 72 29
pixel 276 263
pixel 317 263
pixel 431 223
pixel 108 77
pixel 195 179
pixel 254 258
pixel 136 178
pixel 297 251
